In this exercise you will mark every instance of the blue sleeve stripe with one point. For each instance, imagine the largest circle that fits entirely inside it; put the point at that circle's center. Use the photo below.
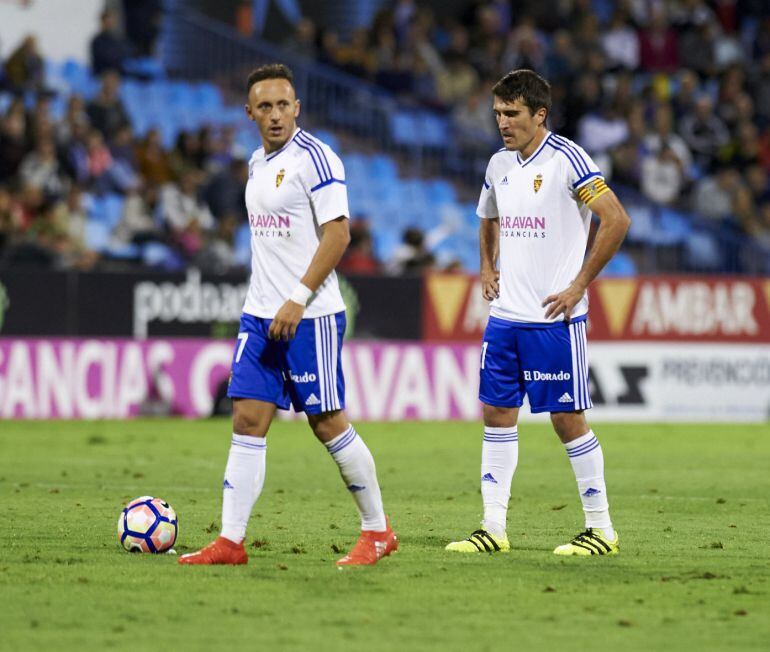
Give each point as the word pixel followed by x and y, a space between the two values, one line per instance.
pixel 577 161
pixel 571 147
pixel 316 146
pixel 320 154
pixel 582 180
pixel 327 183
pixel 569 157
pixel 312 157
pixel 486 185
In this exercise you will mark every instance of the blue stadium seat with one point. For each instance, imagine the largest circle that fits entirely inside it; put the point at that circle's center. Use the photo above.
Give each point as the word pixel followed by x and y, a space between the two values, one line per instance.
pixel 621 264
pixel 329 138
pixel 440 191
pixel 404 128
pixel 243 245
pixel 97 235
pixel 673 227
pixel 702 251
pixel 106 210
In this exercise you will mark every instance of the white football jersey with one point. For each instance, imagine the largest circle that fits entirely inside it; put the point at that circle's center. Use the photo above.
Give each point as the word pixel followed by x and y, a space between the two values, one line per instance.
pixel 542 205
pixel 290 193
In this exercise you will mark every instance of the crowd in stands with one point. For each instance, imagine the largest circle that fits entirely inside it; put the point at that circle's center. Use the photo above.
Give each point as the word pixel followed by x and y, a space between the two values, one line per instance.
pixel 670 98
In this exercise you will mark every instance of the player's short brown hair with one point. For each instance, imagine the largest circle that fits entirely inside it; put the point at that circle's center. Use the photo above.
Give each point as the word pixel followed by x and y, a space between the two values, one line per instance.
pixel 270 71
pixel 528 87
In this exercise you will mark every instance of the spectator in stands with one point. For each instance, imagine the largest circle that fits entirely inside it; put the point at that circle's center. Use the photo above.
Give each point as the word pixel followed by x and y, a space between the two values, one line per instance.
pixel 602 130
pixel 757 182
pixel 187 218
pixel 526 48
pixel 39 121
pixel 70 215
pixel 218 254
pixel 762 230
pixel 24 69
pixel 743 150
pixel 359 257
pixel 224 190
pixel 760 85
pixel 152 160
pixel 186 155
pixel 40 169
pixel 412 255
pixel 123 173
pixel 658 43
pixel 142 19
pixel 109 50
pixel 456 80
pixel 10 218
pixel 663 135
pixel 620 43
pixel 686 95
pixel 697 27
pixel 474 119
pixel 13 144
pixel 703 131
pixel 100 163
pixel 627 157
pixel 355 57
pixel 662 176
pixel 106 110
pixel 74 115
pixel 713 197
pixel 303 41
pixel 140 221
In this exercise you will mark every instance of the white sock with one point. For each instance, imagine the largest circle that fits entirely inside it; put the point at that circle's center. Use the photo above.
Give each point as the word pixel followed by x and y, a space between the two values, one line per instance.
pixel 357 470
pixel 585 455
pixel 499 456
pixel 244 477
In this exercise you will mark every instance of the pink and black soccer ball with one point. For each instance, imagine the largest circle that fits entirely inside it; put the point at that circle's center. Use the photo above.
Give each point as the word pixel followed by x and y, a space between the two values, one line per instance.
pixel 147 524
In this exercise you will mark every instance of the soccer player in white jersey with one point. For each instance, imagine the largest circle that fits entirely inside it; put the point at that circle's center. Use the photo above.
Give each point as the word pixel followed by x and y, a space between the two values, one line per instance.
pixel 535 208
pixel 290 340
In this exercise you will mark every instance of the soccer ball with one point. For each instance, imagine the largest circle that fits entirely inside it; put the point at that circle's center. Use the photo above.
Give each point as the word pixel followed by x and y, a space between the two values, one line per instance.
pixel 147 524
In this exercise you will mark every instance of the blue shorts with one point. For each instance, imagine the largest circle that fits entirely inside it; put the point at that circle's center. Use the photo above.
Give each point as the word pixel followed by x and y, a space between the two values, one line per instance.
pixel 305 372
pixel 547 362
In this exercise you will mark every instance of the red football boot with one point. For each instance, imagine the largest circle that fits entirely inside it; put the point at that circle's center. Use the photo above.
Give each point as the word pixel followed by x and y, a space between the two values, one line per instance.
pixel 221 551
pixel 371 547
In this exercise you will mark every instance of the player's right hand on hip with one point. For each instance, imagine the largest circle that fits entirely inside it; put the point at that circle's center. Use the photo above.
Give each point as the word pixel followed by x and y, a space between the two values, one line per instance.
pixel 490 284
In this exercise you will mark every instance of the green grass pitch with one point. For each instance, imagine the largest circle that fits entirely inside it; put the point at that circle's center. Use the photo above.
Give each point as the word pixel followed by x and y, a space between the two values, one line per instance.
pixel 690 503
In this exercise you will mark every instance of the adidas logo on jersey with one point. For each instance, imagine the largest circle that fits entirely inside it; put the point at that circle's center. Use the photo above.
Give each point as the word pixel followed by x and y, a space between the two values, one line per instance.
pixel 312 400
pixel 565 398
pixel 504 182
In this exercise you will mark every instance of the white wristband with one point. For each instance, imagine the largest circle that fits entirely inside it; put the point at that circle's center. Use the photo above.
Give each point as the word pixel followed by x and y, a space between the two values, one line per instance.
pixel 301 294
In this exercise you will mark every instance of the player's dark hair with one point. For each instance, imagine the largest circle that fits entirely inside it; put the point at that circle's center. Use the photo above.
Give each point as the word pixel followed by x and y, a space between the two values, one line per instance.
pixel 527 86
pixel 270 71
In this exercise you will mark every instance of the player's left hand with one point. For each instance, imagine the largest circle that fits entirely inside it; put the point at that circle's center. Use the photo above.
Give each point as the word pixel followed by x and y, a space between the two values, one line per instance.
pixel 563 302
pixel 284 324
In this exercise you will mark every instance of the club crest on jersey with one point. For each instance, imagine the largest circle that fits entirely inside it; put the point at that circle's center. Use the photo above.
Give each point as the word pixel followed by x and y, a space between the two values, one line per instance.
pixel 538 182
pixel 279 177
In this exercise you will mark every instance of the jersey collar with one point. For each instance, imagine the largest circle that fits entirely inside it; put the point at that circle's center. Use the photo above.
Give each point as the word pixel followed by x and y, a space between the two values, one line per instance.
pixel 272 155
pixel 535 153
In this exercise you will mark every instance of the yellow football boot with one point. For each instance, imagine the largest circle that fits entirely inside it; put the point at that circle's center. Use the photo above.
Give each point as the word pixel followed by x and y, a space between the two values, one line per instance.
pixel 480 541
pixel 590 542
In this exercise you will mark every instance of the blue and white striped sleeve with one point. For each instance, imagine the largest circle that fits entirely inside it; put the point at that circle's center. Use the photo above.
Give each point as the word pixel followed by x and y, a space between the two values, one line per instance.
pixel 487 208
pixel 325 180
pixel 579 166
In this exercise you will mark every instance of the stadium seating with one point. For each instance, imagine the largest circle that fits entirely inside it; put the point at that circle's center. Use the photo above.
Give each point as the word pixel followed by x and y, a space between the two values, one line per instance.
pixel 378 190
